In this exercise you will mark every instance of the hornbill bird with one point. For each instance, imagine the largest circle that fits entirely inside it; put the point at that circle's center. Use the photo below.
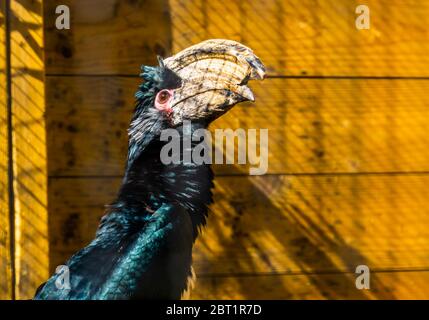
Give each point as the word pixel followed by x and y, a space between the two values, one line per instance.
pixel 143 245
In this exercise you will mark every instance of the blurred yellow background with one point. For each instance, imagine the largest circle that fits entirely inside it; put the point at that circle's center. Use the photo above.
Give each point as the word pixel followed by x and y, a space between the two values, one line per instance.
pixel 347 114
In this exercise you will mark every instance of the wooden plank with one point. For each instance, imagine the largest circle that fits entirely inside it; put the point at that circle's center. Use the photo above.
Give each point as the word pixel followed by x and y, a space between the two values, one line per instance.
pixel 386 285
pixel 101 114
pixel 314 125
pixel 78 209
pixel 311 38
pixel 5 257
pixel 29 147
pixel 107 36
pixel 278 224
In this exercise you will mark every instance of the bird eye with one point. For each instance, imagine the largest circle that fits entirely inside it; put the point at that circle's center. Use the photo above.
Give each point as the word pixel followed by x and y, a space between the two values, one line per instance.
pixel 163 96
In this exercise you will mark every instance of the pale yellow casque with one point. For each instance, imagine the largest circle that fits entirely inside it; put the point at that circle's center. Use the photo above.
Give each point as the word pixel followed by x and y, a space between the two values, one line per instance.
pixel 211 70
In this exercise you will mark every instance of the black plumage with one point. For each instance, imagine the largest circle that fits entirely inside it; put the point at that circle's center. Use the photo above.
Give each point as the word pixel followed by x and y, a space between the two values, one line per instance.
pixel 143 246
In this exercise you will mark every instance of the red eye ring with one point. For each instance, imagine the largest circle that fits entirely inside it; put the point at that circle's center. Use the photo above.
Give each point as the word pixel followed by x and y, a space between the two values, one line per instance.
pixel 163 96
pixel 163 99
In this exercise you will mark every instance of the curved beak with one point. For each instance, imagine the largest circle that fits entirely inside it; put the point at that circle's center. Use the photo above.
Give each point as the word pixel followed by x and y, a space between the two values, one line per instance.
pixel 214 77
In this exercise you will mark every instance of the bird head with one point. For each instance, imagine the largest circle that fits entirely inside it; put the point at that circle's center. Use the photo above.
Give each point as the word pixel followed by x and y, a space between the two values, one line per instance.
pixel 201 82
pixel 198 84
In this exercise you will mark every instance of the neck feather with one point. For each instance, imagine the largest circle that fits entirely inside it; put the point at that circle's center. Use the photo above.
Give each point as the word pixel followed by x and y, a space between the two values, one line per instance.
pixel 148 182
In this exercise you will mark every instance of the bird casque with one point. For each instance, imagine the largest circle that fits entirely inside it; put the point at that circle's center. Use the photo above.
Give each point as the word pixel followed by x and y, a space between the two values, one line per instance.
pixel 143 245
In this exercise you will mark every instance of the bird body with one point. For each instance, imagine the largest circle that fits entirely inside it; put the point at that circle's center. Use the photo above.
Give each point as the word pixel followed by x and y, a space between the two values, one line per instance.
pixel 143 245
